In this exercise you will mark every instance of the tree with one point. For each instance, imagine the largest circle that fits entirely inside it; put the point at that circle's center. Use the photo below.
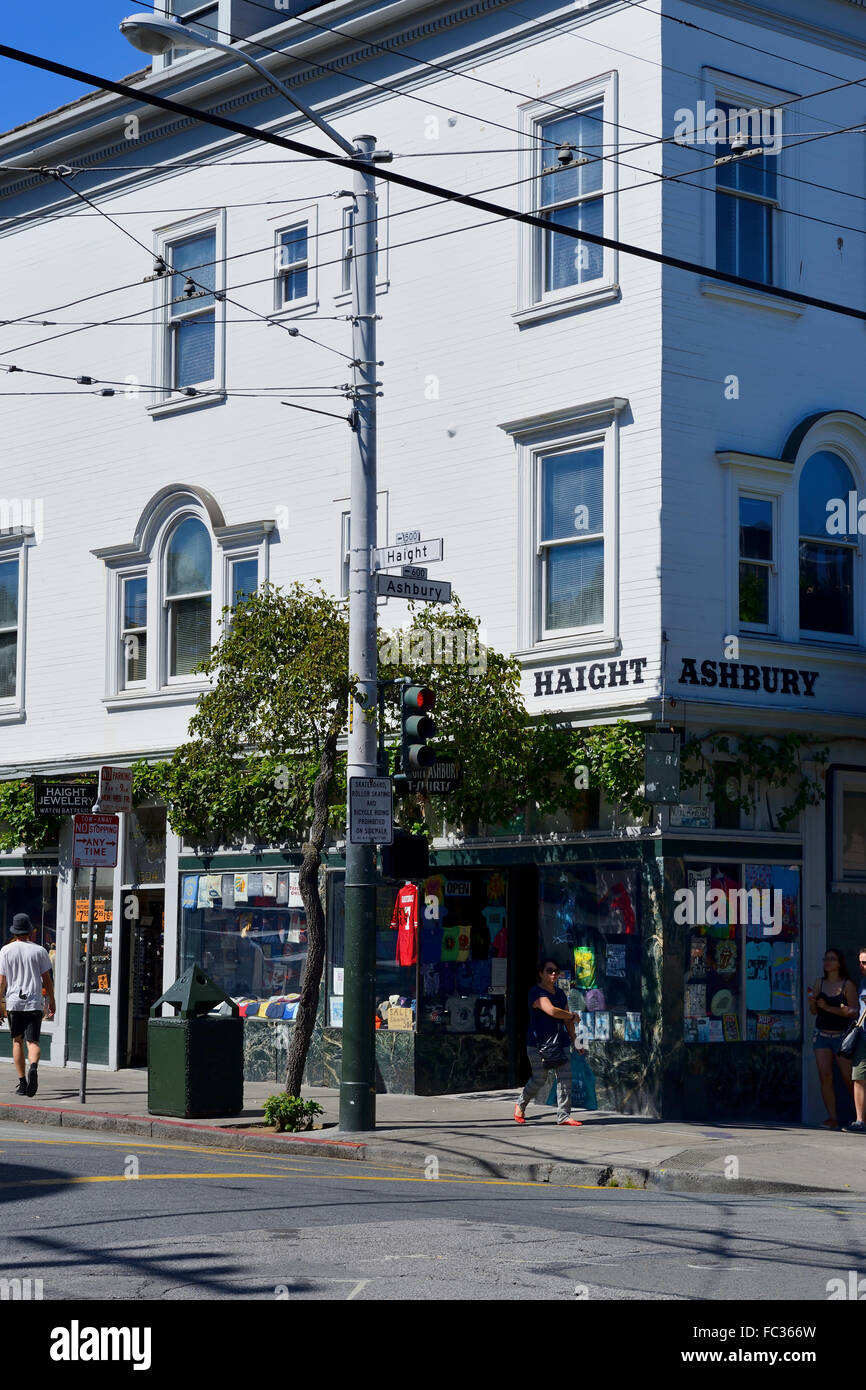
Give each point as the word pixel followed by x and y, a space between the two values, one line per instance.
pixel 264 760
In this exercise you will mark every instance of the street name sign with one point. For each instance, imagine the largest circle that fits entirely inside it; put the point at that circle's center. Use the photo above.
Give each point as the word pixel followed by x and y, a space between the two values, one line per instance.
pixel 427 590
pixel 418 552
pixel 94 842
pixel 115 788
pixel 63 798
pixel 407 537
pixel 371 811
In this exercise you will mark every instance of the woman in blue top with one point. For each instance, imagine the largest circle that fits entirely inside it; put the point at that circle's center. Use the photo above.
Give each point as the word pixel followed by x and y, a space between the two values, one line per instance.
pixel 549 1016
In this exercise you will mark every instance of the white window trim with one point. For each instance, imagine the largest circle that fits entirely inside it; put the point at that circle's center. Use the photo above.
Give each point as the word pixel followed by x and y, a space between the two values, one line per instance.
pixel 770 629
pixel 844 781
pixel 383 193
pixel 725 88
pixel 121 683
pixel 533 304
pixel 537 438
pixel 14 545
pixel 168 401
pixel 310 301
pixel 145 555
pixel 381 537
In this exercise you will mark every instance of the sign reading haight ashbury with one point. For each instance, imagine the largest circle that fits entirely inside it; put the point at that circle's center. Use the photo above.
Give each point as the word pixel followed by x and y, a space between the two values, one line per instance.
pixel 725 675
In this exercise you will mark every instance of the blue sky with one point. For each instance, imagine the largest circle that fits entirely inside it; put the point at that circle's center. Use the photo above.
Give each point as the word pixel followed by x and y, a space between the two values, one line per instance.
pixel 81 33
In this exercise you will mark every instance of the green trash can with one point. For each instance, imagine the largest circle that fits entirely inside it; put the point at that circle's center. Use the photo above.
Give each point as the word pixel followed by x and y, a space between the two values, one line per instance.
pixel 195 1061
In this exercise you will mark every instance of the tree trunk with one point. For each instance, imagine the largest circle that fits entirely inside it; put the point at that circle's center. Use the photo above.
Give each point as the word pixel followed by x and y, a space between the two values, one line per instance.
pixel 308 883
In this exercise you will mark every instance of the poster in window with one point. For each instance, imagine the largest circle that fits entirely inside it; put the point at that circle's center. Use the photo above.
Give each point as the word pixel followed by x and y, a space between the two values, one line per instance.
pixel 619 1027
pixel 602 1027
pixel 615 959
pixel 632 1027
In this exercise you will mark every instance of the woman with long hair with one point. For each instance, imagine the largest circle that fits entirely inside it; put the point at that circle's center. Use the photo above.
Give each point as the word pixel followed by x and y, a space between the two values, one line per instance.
pixel 833 1001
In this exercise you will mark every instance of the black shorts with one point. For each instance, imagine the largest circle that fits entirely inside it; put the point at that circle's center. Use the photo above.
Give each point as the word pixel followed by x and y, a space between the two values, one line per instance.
pixel 27 1022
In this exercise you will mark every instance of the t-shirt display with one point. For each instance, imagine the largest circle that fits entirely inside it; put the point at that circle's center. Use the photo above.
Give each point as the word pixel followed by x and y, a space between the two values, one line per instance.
pixel 404 920
pixel 252 947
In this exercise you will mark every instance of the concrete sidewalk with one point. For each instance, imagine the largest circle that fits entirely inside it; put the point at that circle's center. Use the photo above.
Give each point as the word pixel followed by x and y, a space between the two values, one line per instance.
pixel 475 1134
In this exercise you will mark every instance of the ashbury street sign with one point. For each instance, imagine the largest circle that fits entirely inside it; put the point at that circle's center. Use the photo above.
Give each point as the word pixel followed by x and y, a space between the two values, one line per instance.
pixel 723 675
pixel 428 590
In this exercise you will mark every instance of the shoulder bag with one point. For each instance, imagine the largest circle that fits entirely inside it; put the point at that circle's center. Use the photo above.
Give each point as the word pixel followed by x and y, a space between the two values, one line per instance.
pixel 848 1045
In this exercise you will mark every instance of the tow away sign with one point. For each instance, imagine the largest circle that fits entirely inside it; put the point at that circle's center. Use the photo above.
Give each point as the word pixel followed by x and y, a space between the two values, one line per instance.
pixel 94 842
pixel 427 590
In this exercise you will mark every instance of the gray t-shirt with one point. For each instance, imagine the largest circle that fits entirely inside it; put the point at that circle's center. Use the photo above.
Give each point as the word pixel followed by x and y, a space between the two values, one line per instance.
pixel 24 963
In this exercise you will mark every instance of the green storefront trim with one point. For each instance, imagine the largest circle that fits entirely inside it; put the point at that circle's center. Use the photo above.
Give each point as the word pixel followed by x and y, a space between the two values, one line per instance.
pixel 98 1037
pixel 45 1042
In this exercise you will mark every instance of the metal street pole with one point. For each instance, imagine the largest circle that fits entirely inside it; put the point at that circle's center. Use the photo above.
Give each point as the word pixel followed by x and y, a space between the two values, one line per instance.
pixel 85 1018
pixel 358 1077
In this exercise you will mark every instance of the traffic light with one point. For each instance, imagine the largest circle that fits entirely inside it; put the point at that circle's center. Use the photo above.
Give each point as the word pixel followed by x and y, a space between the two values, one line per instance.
pixel 417 727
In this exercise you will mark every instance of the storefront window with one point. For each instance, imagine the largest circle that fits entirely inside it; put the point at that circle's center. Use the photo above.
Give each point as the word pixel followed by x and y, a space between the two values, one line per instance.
pixel 35 894
pixel 743 967
pixel 442 943
pixel 145 845
pixel 248 932
pixel 101 938
pixel 590 926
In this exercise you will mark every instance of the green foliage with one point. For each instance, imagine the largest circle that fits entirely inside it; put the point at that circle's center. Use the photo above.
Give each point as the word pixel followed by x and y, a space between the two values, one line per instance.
pixel 290 1113
pixel 19 823
pixel 773 762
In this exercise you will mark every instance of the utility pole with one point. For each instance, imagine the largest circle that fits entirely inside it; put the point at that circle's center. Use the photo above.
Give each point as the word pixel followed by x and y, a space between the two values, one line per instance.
pixel 358 1078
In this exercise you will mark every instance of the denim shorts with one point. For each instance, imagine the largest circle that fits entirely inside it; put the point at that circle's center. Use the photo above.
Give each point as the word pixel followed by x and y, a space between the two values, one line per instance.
pixel 833 1041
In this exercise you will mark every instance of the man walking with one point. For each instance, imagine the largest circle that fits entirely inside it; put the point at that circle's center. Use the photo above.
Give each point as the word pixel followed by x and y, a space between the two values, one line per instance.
pixel 25 969
pixel 858 1071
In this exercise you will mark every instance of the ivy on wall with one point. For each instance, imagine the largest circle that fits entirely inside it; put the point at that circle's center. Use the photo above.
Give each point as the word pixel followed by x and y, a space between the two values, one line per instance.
pixel 750 760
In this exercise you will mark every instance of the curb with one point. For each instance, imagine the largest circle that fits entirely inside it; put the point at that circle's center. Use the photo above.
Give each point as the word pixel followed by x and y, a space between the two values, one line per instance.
pixel 555 1172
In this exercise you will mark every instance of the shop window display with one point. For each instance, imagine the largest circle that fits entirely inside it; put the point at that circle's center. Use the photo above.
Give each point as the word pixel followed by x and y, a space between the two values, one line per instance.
pixel 35 894
pixel 589 924
pixel 248 932
pixel 441 953
pixel 102 935
pixel 742 968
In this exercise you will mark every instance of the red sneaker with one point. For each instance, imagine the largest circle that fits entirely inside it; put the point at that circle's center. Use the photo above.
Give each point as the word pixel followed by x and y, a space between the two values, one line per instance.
pixel 519 1117
pixel 569 1121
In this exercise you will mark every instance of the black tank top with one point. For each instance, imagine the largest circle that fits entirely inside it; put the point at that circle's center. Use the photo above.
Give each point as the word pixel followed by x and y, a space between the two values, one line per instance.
pixel 831 1023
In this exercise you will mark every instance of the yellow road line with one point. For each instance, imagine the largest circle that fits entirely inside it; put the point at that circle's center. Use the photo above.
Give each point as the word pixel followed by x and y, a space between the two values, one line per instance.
pixel 276 1158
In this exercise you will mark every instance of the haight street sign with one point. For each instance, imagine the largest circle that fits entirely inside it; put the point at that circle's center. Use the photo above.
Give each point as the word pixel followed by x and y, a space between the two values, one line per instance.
pixel 411 553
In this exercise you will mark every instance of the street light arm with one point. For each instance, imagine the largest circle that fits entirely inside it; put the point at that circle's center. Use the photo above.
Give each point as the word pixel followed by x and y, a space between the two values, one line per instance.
pixel 166 32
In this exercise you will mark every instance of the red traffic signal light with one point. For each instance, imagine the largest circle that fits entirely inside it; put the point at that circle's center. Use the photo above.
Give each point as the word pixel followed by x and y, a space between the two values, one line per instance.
pixel 418 699
pixel 417 727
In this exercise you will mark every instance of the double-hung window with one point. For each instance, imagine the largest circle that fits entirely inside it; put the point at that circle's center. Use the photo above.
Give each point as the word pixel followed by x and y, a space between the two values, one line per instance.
pixel 826 558
pixel 133 634
pixel 571 541
pixel 757 588
pixel 192 319
pixel 203 17
pixel 9 575
pixel 293 265
pixel 746 195
pixel 571 195
pixel 188 596
pixel 567 178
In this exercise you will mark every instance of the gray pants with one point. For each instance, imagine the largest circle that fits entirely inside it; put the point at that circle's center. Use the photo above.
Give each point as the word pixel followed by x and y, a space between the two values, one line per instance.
pixel 540 1073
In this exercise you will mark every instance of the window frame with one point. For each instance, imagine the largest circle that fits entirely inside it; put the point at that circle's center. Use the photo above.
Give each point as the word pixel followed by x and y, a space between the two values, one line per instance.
pixel 123 661
pixel 383 196
pixel 832 542
pixel 592 425
pixel 170 399
pixel 534 303
pixel 14 547
pixel 308 303
pixel 544 547
pixel 145 557
pixel 729 89
pixel 167 602
pixel 845 781
pixel 771 627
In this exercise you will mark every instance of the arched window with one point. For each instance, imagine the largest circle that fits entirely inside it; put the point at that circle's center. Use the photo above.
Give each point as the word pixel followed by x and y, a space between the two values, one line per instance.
pixel 188 596
pixel 826 559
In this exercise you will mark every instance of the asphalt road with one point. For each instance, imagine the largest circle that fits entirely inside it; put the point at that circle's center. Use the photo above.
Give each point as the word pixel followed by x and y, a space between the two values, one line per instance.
pixel 102 1217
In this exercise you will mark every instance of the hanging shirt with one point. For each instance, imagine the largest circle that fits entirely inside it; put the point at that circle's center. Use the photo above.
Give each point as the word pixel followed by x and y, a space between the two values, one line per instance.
pixel 404 920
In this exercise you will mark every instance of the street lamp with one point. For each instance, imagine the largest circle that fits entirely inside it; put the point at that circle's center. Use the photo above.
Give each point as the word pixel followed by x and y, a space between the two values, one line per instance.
pixel 357 1085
